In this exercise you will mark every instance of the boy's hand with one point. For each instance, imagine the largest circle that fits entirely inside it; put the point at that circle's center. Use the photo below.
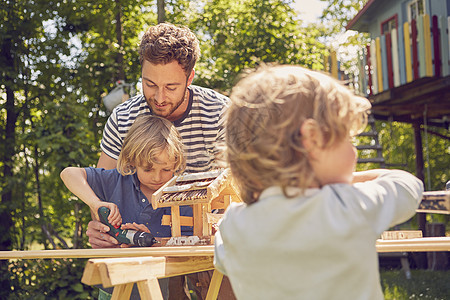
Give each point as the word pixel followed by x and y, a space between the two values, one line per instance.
pixel 114 218
pixel 135 226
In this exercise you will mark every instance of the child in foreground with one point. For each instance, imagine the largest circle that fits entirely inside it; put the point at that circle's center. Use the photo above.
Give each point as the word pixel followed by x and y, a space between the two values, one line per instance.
pixel 308 227
pixel 152 153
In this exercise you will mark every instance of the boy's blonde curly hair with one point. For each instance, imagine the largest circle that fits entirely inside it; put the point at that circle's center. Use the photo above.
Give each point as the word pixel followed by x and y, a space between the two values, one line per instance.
pixel 268 107
pixel 146 139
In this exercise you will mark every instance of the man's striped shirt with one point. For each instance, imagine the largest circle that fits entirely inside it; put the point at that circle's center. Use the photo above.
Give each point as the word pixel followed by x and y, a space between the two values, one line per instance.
pixel 201 127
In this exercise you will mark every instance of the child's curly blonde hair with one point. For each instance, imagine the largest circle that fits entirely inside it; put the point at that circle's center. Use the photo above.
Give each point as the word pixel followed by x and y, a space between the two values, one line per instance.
pixel 146 139
pixel 268 107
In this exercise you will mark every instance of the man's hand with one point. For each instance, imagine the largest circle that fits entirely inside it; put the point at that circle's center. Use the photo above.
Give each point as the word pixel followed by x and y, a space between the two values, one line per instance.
pixel 99 237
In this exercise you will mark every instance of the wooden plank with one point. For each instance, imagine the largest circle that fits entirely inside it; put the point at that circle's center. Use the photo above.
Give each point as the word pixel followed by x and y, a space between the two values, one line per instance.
pixel 363 76
pixel 415 55
pixel 369 70
pixel 198 224
pixel 401 234
pixel 427 45
pixel 176 223
pixel 373 58
pixel 156 195
pixel 110 252
pixel 216 187
pixel 334 64
pixel 192 240
pixel 435 202
pixel 122 291
pixel 401 55
pixel 149 289
pixel 325 63
pixel 116 271
pixel 421 46
pixel 186 265
pixel 414 245
pixel 436 46
pixel 91 273
pixel 395 59
pixel 384 64
pixel 408 59
pixel 214 286
pixel 184 220
pixel 389 67
pixel 207 229
pixel 444 24
pixel 183 202
pixel 379 66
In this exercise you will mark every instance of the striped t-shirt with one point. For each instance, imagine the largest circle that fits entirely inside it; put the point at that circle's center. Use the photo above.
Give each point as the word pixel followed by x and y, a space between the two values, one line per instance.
pixel 201 127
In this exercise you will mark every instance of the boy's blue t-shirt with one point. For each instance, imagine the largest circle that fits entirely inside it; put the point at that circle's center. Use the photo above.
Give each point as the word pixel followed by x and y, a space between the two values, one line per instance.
pixel 125 192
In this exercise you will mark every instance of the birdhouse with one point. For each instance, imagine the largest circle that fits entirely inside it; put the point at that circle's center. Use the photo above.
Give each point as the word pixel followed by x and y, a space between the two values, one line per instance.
pixel 208 193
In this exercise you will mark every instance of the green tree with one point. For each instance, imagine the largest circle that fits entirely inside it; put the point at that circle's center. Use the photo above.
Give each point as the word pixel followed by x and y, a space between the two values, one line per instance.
pixel 240 35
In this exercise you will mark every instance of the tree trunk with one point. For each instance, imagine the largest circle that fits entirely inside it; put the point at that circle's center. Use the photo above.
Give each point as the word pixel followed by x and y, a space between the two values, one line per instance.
pixel 119 30
pixel 7 174
pixel 161 11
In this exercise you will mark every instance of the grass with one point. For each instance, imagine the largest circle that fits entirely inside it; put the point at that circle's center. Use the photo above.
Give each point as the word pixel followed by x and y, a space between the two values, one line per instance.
pixel 423 284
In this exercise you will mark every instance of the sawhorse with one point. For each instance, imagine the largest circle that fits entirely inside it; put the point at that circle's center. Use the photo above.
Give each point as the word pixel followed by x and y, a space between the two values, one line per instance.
pixel 123 273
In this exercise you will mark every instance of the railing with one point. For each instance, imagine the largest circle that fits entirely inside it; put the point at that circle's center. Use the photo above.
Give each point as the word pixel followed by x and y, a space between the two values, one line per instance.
pixel 415 50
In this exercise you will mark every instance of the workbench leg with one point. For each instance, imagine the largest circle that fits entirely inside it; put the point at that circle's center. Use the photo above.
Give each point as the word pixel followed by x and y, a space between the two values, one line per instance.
pixel 214 286
pixel 149 289
pixel 122 291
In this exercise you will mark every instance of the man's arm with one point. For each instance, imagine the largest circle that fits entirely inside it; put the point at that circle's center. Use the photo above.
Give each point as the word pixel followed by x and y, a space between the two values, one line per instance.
pixel 106 162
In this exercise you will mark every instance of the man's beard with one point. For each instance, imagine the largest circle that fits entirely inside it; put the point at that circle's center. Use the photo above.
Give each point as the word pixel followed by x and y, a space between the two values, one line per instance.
pixel 163 113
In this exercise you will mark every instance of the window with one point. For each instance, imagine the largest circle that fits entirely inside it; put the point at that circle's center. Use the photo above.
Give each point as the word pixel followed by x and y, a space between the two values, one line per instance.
pixel 416 8
pixel 389 24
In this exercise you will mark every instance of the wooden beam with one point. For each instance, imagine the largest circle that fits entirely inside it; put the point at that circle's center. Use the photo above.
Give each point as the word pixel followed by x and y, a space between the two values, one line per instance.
pixel 110 252
pixel 149 289
pixel 414 245
pixel 214 286
pixel 118 271
pixel 184 220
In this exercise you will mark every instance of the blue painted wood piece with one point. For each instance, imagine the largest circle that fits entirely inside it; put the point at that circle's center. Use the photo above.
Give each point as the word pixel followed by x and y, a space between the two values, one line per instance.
pixel 384 63
pixel 421 47
pixel 363 74
pixel 444 23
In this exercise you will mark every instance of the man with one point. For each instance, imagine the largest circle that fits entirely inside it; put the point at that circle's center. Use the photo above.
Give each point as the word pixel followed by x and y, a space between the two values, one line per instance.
pixel 167 55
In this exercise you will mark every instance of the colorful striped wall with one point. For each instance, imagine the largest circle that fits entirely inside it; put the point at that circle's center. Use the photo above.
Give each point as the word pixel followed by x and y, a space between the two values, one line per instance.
pixel 410 52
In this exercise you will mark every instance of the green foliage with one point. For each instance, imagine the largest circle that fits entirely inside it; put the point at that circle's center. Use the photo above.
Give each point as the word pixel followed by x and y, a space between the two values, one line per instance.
pixel 422 285
pixel 56 65
pixel 35 279
pixel 240 35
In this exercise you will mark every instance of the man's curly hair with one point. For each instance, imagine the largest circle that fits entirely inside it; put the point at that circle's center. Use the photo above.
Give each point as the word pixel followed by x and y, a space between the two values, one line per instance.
pixel 164 43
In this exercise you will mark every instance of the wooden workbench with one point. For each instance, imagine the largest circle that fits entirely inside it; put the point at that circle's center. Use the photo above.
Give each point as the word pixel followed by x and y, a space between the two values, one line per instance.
pixel 121 268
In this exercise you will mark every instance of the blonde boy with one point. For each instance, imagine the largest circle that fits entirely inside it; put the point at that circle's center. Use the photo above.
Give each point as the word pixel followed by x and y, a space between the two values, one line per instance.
pixel 308 227
pixel 152 153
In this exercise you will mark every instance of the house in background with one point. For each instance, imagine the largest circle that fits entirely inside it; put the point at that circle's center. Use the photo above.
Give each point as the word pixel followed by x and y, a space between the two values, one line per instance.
pixel 404 71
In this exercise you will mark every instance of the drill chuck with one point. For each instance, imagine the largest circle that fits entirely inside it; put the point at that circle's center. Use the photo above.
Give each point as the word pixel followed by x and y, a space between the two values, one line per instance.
pixel 126 236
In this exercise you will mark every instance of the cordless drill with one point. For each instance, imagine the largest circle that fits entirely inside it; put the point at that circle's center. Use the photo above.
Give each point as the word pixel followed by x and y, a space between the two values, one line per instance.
pixel 126 236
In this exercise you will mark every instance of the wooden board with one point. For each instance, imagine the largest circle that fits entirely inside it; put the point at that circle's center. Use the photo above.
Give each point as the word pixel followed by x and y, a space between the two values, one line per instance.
pixel 420 244
pixel 401 234
pixel 110 252
pixel 118 271
pixel 435 202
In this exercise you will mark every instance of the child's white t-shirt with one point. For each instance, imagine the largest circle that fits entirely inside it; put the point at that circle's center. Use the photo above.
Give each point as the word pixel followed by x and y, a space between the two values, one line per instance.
pixel 317 246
